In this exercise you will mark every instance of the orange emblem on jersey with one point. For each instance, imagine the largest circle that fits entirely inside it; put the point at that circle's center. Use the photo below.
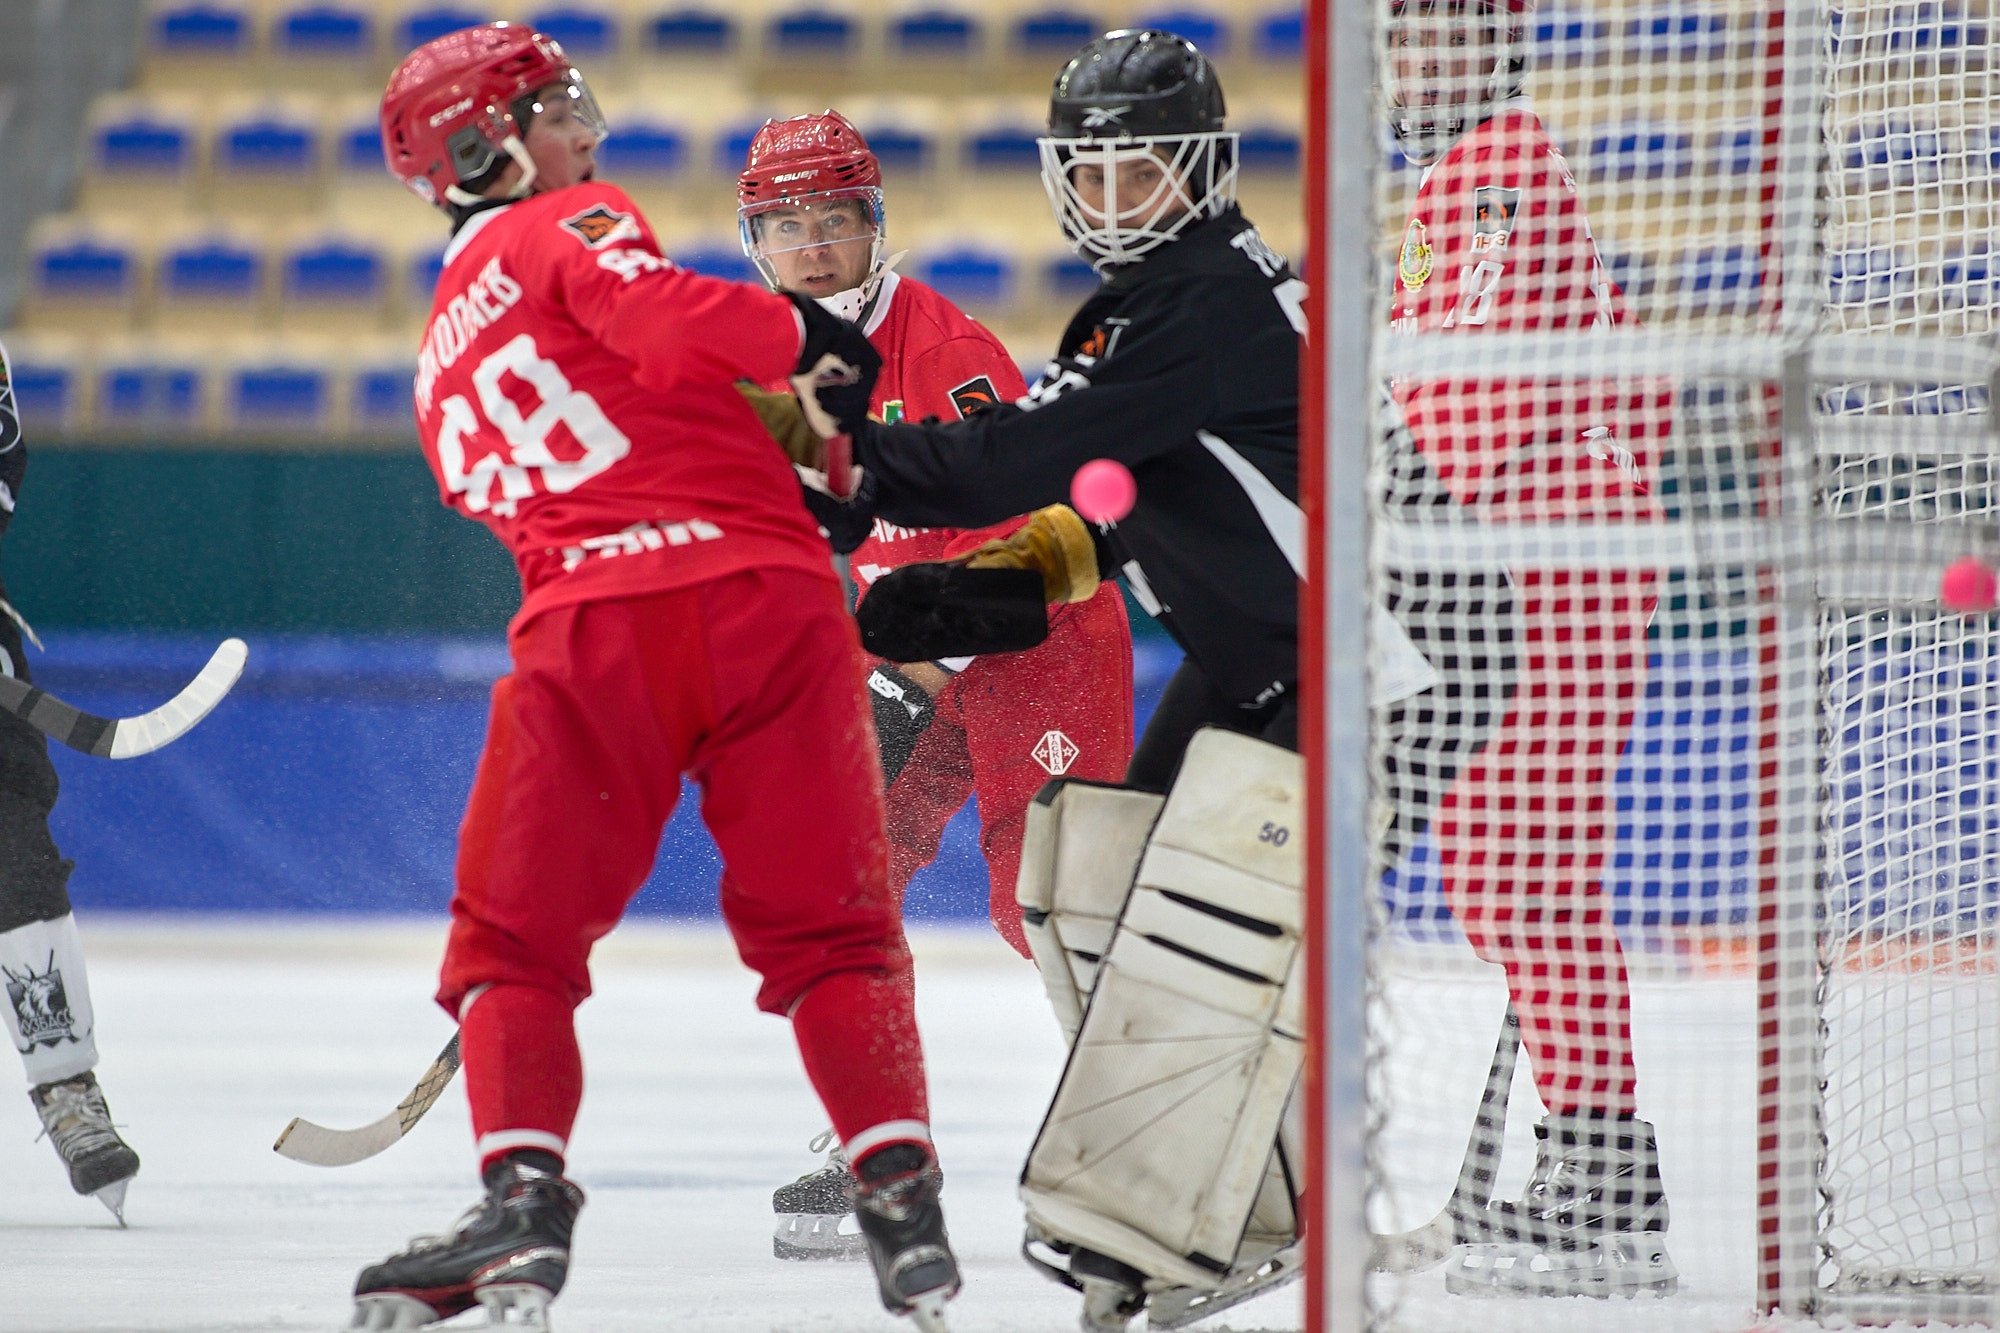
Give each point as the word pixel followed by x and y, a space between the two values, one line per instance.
pixel 975 395
pixel 1414 265
pixel 1093 345
pixel 599 226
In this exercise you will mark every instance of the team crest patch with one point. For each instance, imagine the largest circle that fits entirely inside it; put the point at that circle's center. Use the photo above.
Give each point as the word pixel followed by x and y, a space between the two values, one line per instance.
pixel 1493 211
pixel 598 226
pixel 975 395
pixel 1055 752
pixel 1413 266
pixel 41 1005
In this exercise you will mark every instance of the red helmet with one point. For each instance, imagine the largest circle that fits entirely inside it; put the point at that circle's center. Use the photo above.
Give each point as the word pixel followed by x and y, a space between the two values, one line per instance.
pixel 804 161
pixel 454 112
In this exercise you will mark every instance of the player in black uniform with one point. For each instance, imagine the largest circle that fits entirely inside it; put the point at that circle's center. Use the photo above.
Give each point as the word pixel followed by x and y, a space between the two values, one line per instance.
pixel 1183 366
pixel 48 1011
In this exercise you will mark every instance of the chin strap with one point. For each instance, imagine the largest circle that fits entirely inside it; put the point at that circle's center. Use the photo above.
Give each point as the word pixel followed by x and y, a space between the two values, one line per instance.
pixel 515 149
pixel 856 303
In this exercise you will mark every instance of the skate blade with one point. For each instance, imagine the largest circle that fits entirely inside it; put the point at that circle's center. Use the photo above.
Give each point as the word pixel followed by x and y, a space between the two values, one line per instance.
pixel 1177 1307
pixel 112 1196
pixel 811 1237
pixel 927 1311
pixel 1625 1265
pixel 390 1312
pixel 516 1305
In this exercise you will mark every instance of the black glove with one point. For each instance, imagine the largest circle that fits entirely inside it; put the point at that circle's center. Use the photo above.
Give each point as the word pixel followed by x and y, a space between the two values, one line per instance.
pixel 848 522
pixel 837 368
pixel 903 712
pixel 920 612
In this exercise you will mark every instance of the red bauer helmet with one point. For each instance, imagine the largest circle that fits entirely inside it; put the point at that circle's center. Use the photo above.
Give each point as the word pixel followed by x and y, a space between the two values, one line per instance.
pixel 456 108
pixel 804 162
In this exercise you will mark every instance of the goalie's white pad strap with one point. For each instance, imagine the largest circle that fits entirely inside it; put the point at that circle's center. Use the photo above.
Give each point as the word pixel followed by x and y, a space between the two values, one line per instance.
pixel 1158 1144
pixel 48 999
pixel 1079 850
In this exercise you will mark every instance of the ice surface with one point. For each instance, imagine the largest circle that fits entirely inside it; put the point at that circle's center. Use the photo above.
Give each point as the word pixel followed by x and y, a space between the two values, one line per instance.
pixel 214 1035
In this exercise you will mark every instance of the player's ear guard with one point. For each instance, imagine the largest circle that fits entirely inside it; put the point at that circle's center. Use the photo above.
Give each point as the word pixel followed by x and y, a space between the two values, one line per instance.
pixel 931 609
pixel 785 421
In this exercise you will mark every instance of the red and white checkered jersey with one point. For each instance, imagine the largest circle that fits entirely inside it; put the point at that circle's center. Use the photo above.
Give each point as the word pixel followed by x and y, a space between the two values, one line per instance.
pixel 1498 241
pixel 575 393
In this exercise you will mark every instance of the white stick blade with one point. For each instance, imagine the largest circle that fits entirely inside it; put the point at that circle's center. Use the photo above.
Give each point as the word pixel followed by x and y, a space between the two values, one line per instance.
pixel 174 718
pixel 316 1145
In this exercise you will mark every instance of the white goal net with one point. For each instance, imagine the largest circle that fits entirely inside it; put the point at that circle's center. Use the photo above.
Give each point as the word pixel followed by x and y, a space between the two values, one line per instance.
pixel 1681 347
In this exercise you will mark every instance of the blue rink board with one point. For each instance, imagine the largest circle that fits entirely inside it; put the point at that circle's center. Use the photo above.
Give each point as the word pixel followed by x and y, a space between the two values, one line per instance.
pixel 333 778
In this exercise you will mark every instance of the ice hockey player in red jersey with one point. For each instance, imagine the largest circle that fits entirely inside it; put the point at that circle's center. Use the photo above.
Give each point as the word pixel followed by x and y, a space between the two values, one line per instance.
pixel 1000 726
pixel 575 393
pixel 1498 242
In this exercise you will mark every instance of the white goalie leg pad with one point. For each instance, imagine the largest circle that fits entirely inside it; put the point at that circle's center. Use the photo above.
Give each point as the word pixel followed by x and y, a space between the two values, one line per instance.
pixel 1079 853
pixel 48 999
pixel 1158 1146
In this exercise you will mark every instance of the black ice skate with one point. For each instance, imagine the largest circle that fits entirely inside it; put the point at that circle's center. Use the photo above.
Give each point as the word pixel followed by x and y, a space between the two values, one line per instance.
pixel 75 1119
pixel 816 1212
pixel 903 1222
pixel 1592 1221
pixel 510 1254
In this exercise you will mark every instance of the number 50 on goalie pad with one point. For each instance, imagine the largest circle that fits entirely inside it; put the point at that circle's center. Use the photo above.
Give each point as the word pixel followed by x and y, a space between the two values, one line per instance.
pixel 1160 1138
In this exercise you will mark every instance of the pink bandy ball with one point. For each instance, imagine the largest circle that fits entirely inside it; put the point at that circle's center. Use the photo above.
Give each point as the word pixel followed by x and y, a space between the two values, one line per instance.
pixel 1968 587
pixel 1103 490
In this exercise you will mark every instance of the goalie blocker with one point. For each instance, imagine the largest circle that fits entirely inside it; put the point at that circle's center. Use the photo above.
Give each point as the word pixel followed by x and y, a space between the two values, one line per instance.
pixel 1167 932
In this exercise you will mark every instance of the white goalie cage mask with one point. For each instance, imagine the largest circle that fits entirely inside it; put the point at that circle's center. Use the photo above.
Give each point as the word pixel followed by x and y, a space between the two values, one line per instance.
pixel 1197 180
pixel 1436 83
pixel 754 229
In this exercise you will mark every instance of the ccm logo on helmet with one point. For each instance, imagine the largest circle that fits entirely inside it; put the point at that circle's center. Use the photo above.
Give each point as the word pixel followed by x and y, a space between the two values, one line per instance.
pixel 456 108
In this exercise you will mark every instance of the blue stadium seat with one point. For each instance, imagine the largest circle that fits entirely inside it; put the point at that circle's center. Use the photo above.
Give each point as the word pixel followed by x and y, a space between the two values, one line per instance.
pixel 89 268
pixel 933 32
pixel 360 148
pixel 1052 32
pixel 382 399
pixel 148 394
pixel 1968 282
pixel 267 146
pixel 582 31
pixel 814 32
pixel 717 259
pixel 1281 36
pixel 46 392
pixel 425 270
pixel 425 25
pixel 337 269
pixel 643 147
pixel 1739 151
pixel 1005 148
pixel 1860 277
pixel 1641 152
pixel 902 147
pixel 1268 148
pixel 1679 33
pixel 1205 28
pixel 201 29
pixel 732 145
pixel 211 269
pixel 969 274
pixel 1070 277
pixel 323 30
pixel 1634 273
pixel 693 31
pixel 277 394
pixel 1560 39
pixel 1723 277
pixel 143 142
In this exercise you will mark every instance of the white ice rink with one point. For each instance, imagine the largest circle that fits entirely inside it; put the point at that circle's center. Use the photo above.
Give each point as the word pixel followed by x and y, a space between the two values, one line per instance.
pixel 695 1108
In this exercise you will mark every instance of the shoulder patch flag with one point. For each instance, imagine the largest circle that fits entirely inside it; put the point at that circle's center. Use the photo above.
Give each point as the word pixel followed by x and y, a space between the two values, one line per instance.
pixel 599 226
pixel 974 396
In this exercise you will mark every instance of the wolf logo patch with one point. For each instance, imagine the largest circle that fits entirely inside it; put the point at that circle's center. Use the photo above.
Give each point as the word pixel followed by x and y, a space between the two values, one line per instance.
pixel 598 226
pixel 41 1005
pixel 974 396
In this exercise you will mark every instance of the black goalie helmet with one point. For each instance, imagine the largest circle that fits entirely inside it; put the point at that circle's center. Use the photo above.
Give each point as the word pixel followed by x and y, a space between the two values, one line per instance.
pixel 1141 107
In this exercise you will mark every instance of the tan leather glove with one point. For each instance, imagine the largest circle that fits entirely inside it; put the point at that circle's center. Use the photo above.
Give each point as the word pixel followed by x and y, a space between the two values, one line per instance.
pixel 786 422
pixel 1054 543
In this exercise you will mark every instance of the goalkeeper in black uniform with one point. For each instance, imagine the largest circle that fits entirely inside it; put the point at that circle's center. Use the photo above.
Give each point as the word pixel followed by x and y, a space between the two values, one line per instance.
pixel 48 1010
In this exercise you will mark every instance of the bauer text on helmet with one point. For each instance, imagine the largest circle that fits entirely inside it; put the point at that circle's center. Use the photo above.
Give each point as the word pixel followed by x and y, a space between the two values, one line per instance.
pixel 1449 66
pixel 1136 149
pixel 491 111
pixel 810 212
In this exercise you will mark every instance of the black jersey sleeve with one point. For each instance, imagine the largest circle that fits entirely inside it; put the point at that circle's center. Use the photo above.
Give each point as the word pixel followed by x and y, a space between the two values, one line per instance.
pixel 1146 390
pixel 13 453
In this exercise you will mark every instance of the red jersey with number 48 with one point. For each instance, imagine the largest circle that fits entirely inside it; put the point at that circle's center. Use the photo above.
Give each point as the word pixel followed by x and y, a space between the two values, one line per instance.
pixel 936 361
pixel 1498 241
pixel 575 393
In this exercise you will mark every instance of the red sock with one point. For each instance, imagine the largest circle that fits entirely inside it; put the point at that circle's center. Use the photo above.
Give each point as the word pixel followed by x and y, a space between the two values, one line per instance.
pixel 857 1032
pixel 523 1072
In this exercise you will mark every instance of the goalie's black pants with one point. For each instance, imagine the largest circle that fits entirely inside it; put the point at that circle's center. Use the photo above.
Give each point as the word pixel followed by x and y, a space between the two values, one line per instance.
pixel 1190 702
pixel 34 877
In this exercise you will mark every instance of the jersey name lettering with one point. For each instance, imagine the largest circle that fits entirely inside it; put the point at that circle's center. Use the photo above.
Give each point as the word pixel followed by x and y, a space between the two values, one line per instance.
pixel 488 296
